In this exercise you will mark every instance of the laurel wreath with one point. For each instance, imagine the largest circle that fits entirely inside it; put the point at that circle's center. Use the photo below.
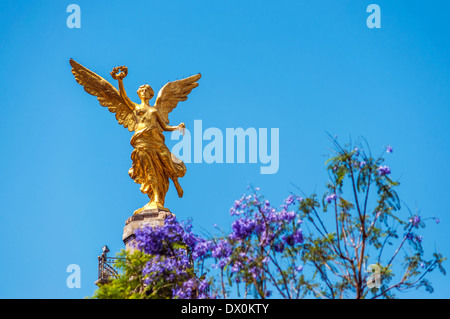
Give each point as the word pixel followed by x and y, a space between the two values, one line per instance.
pixel 119 72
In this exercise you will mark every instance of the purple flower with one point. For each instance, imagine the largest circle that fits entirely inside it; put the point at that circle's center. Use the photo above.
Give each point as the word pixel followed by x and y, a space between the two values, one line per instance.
pixel 235 210
pixel 289 239
pixel 236 266
pixel 415 220
pixel 437 220
pixel 255 271
pixel 242 228
pixel 285 216
pixel 158 240
pixel 278 247
pixel 168 268
pixel 389 149
pixel 290 200
pixel 384 170
pixel 203 286
pixel 222 249
pixel 201 249
pixel 414 237
pixel 186 291
pixel 266 238
pixel 295 238
pixel 330 198
pixel 362 164
pixel 298 236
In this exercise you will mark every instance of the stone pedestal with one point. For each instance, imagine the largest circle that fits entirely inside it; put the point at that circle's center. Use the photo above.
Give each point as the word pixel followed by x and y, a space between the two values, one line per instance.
pixel 151 215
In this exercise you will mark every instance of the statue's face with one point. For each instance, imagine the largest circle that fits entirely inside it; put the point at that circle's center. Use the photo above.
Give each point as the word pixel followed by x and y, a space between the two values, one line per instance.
pixel 145 93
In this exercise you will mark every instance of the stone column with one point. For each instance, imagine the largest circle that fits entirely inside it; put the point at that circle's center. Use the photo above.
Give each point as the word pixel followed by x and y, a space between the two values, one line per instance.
pixel 152 215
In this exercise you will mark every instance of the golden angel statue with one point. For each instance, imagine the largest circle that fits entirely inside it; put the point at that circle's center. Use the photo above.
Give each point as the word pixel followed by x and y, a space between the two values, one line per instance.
pixel 153 163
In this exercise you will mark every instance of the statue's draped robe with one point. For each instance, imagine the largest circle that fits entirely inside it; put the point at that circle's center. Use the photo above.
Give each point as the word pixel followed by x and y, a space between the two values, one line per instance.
pixel 153 163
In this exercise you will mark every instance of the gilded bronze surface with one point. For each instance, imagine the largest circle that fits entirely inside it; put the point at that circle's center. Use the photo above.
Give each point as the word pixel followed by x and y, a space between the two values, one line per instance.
pixel 153 163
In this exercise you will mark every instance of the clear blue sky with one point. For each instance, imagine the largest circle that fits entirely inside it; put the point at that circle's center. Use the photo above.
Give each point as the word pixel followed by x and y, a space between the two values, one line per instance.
pixel 305 67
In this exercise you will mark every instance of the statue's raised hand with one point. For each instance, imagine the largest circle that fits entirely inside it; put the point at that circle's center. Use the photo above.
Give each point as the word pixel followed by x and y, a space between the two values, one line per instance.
pixel 119 72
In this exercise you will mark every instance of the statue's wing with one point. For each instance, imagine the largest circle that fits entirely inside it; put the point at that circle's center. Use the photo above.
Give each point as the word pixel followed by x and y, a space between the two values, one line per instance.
pixel 106 94
pixel 174 92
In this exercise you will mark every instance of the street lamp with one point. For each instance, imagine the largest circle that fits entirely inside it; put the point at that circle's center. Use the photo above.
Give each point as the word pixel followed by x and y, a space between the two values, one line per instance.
pixel 105 267
pixel 105 249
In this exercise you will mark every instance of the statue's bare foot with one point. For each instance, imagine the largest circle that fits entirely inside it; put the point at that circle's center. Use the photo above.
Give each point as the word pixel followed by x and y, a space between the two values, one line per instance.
pixel 149 205
pixel 137 211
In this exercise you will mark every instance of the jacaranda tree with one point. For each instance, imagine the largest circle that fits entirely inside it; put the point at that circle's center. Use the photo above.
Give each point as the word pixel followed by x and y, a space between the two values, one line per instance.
pixel 356 251
pixel 346 243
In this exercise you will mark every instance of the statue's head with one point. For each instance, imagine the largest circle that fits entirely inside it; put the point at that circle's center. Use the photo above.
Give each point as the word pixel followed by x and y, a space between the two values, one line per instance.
pixel 145 92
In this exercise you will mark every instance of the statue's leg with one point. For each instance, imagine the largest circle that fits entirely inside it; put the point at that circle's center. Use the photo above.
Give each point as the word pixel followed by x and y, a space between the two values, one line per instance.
pixel 155 198
pixel 177 186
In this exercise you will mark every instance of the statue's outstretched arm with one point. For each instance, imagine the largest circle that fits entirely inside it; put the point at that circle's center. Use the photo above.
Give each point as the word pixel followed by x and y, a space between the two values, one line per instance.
pixel 124 96
pixel 169 128
pixel 119 73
